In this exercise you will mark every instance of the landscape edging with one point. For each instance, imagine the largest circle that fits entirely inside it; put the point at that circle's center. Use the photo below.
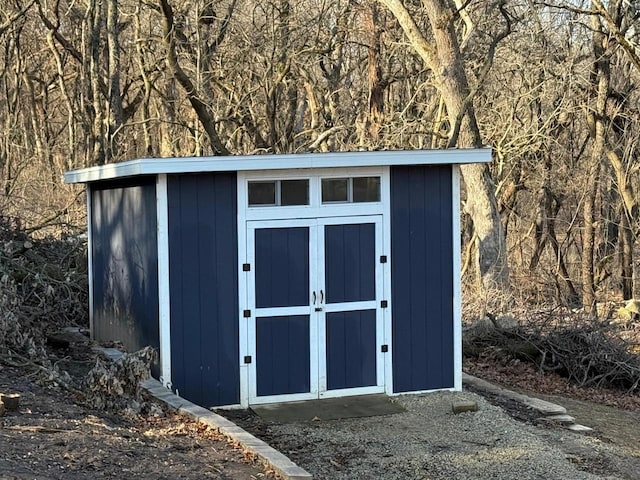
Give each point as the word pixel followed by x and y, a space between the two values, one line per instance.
pixel 269 455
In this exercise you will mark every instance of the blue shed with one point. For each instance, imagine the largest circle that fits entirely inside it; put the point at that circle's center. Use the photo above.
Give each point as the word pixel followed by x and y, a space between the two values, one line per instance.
pixel 283 277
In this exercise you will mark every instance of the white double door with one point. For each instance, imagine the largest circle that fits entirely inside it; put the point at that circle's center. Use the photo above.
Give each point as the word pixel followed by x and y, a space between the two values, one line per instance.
pixel 314 292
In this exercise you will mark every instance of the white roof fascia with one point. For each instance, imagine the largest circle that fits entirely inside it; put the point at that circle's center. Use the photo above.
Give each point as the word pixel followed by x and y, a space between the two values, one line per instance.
pixel 155 166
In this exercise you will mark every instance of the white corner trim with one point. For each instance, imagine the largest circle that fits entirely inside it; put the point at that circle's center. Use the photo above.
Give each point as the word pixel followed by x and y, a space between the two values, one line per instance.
pixel 90 261
pixel 243 299
pixel 238 163
pixel 164 296
pixel 457 281
pixel 387 281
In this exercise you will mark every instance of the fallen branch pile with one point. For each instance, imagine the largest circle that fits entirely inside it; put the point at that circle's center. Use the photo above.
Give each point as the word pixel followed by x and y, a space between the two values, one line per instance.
pixel 43 288
pixel 588 351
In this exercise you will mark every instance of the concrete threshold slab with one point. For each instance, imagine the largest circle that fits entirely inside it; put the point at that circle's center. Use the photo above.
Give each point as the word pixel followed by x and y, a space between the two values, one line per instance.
pixel 328 409
pixel 543 407
pixel 269 455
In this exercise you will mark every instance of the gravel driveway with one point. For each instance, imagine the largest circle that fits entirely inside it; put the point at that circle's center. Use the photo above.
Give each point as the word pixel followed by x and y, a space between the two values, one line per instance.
pixel 429 442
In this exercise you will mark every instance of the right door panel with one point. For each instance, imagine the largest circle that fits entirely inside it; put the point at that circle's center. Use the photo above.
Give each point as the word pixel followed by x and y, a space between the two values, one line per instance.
pixel 353 322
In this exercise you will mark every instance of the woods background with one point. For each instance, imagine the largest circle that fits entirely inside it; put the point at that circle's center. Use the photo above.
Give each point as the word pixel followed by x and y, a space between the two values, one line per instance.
pixel 550 86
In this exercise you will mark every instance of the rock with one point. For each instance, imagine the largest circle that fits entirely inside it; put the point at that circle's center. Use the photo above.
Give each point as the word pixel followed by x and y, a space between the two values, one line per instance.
pixel 579 428
pixel 562 419
pixel 461 406
pixel 11 401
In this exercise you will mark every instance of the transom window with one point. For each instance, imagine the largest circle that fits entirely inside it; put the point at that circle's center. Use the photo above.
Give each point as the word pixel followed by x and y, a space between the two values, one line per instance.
pixel 300 193
pixel 351 190
pixel 279 193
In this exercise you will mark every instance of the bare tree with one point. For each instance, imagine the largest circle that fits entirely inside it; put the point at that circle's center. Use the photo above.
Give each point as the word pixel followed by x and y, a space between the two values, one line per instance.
pixel 446 63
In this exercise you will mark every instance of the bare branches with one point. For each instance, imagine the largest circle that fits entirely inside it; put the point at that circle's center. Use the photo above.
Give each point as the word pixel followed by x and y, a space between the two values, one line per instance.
pixel 8 23
pixel 412 31
pixel 201 109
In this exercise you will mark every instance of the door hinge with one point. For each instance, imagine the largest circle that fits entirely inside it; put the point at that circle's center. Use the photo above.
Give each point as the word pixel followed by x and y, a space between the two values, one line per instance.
pixel 383 259
pixel 246 267
pixel 246 313
pixel 384 304
pixel 247 359
pixel 384 348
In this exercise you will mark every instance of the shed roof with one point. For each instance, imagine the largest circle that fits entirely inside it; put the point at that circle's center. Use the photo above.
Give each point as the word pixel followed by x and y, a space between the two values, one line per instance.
pixel 154 166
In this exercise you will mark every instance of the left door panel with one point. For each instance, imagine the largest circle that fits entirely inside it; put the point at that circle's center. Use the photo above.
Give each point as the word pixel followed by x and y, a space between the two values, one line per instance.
pixel 280 325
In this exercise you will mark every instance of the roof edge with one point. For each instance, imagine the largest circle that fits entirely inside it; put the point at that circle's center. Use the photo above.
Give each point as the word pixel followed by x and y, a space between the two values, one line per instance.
pixel 155 166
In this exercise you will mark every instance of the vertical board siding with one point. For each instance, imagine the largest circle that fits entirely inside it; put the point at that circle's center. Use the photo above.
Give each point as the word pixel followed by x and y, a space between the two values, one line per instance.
pixel 203 279
pixel 422 277
pixel 282 267
pixel 351 349
pixel 282 355
pixel 350 265
pixel 124 255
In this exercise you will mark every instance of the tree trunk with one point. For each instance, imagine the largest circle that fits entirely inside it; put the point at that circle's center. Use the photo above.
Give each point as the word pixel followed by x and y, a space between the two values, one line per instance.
pixel 596 121
pixel 626 255
pixel 115 97
pixel 377 84
pixel 446 63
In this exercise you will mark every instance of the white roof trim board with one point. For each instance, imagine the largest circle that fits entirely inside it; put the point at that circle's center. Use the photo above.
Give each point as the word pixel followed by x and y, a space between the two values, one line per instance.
pixel 155 166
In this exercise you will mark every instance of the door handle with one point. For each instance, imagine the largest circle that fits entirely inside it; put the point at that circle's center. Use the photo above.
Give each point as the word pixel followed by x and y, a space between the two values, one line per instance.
pixel 321 296
pixel 314 298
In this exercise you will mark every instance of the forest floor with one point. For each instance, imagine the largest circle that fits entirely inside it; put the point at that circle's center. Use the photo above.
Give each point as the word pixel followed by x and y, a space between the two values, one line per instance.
pixel 503 440
pixel 53 436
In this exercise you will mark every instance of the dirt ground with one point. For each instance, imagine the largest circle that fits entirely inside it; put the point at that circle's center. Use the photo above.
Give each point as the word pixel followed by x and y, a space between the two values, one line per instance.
pixel 503 440
pixel 52 437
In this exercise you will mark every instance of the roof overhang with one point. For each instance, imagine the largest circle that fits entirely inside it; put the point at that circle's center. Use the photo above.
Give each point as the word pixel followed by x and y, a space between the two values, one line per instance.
pixel 155 166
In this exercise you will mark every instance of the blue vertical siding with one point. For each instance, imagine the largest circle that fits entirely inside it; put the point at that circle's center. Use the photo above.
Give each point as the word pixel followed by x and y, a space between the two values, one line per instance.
pixel 282 355
pixel 203 280
pixel 350 262
pixel 282 267
pixel 124 257
pixel 422 277
pixel 351 349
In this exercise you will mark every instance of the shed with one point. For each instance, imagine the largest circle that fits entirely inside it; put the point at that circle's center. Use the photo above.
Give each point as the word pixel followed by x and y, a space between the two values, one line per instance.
pixel 283 277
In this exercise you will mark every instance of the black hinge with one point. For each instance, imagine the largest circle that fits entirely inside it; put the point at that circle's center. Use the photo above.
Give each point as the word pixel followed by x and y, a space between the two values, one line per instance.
pixel 384 304
pixel 247 359
pixel 383 259
pixel 246 313
pixel 384 348
pixel 246 267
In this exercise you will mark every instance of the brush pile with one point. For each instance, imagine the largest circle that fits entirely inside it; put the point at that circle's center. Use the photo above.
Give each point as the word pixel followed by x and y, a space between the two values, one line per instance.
pixel 43 290
pixel 590 352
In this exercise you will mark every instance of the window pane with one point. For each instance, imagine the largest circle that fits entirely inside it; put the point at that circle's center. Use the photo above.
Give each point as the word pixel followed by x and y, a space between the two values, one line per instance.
pixel 335 190
pixel 262 193
pixel 366 189
pixel 294 192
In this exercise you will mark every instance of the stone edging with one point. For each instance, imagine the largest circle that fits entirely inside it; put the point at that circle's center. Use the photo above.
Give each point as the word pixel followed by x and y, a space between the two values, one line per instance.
pixel 269 455
pixel 551 412
pixel 541 406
